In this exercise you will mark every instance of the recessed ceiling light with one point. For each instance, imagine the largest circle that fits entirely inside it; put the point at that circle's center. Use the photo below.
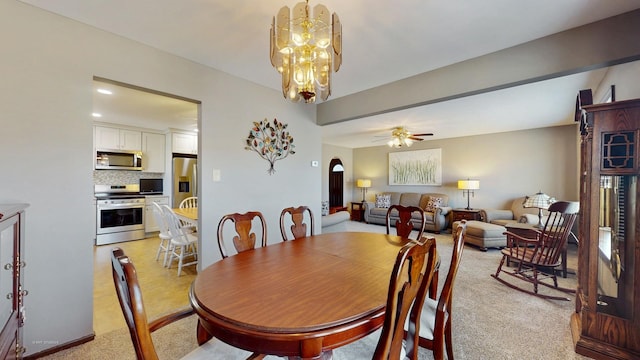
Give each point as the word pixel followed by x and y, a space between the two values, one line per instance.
pixel 96 114
pixel 105 91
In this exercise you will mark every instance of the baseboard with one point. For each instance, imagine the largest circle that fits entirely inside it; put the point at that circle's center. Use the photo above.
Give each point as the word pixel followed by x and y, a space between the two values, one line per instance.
pixel 61 347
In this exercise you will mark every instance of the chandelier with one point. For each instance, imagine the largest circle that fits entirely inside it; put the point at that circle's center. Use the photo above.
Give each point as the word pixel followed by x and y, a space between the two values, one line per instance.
pixel 305 48
pixel 400 137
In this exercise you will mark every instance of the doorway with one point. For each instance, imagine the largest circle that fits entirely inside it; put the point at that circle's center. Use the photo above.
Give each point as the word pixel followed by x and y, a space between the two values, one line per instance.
pixel 336 184
pixel 154 117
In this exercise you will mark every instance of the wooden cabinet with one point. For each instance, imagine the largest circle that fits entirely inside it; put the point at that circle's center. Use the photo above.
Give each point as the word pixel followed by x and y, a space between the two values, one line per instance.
pixel 150 224
pixel 154 152
pixel 110 138
pixel 464 214
pixel 357 211
pixel 184 143
pixel 605 324
pixel 11 281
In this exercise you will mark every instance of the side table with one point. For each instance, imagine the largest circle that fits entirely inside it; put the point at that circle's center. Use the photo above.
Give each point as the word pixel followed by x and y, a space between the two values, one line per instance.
pixel 464 214
pixel 357 211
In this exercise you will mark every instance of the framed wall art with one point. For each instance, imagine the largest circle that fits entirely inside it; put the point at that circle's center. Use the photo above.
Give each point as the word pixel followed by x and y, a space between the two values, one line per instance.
pixel 421 167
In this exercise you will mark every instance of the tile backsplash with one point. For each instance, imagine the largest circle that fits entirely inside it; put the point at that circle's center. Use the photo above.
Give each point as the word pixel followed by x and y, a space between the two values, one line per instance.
pixel 122 177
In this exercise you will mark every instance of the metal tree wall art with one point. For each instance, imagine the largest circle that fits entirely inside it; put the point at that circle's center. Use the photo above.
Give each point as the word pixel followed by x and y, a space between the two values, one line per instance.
pixel 271 142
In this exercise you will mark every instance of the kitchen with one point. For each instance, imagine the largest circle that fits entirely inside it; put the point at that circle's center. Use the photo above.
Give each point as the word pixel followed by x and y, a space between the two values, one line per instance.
pixel 140 138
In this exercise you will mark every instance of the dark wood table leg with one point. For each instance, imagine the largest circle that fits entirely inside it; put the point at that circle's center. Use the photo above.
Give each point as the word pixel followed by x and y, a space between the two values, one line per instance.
pixel 202 335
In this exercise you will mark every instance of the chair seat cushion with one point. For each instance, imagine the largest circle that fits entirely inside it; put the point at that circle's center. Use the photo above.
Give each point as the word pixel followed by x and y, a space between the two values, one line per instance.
pixel 428 318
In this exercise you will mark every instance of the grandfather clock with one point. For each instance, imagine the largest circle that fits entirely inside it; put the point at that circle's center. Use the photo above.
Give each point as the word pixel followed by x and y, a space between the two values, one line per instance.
pixel 606 324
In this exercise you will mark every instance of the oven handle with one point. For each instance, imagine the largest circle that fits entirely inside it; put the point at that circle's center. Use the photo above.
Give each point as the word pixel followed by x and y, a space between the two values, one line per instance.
pixel 119 206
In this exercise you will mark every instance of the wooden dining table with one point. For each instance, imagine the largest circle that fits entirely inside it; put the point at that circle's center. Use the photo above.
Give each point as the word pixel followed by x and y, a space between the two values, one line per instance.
pixel 299 298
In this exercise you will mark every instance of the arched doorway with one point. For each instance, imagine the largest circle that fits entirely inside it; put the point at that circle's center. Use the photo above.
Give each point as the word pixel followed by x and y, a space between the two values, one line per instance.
pixel 336 181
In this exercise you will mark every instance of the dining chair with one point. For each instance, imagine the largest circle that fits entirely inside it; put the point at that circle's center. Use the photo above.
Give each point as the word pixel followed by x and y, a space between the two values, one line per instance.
pixel 125 279
pixel 243 239
pixel 164 235
pixel 296 216
pixel 190 202
pixel 410 278
pixel 183 241
pixel 405 223
pixel 435 320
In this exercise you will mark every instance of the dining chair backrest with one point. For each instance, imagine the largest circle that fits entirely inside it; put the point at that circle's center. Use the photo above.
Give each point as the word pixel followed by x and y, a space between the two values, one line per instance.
pixel 410 278
pixel 190 202
pixel 178 232
pixel 159 217
pixel 244 239
pixel 299 227
pixel 129 294
pixel 436 316
pixel 405 223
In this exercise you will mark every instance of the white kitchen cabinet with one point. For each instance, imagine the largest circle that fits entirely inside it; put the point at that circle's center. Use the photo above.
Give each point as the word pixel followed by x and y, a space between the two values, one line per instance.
pixel 110 138
pixel 184 143
pixel 150 224
pixel 153 152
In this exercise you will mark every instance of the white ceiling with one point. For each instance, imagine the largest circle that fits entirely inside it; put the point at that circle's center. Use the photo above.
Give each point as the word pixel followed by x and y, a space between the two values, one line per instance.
pixel 383 41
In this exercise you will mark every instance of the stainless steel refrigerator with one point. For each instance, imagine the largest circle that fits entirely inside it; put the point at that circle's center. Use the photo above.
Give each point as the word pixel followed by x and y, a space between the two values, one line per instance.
pixel 185 183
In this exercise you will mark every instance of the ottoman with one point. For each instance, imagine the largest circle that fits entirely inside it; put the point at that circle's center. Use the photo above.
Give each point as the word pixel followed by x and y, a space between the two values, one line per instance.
pixel 483 235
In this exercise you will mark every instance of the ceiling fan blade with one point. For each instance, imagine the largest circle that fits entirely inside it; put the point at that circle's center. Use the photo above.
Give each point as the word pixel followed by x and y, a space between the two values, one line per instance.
pixel 415 138
pixel 425 134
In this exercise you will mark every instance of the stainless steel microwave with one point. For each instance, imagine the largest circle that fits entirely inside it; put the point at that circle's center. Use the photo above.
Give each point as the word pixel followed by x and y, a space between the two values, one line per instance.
pixel 118 160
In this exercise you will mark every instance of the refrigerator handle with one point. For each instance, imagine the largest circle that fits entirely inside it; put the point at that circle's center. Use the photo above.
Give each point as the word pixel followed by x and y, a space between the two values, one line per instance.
pixel 195 179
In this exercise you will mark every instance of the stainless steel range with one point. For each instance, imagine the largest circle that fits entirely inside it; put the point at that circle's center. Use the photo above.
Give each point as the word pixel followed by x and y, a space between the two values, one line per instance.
pixel 119 213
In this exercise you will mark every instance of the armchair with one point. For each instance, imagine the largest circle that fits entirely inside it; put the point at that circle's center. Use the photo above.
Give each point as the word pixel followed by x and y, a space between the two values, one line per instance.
pixel 517 213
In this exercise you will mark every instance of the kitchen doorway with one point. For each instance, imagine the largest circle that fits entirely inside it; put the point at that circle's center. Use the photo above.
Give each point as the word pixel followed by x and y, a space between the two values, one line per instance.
pixel 136 109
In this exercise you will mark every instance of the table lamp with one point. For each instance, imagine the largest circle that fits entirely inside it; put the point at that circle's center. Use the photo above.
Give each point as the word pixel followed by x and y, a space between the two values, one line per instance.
pixel 363 184
pixel 468 186
pixel 540 201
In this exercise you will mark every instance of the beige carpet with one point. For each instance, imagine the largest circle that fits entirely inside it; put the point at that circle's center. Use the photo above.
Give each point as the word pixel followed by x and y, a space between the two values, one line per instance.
pixel 490 320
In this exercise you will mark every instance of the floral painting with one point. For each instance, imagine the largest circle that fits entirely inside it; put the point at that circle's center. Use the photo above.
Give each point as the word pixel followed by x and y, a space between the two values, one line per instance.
pixel 422 167
pixel 271 141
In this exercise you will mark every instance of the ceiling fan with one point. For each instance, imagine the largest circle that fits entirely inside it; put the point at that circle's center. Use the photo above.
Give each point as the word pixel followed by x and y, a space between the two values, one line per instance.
pixel 400 136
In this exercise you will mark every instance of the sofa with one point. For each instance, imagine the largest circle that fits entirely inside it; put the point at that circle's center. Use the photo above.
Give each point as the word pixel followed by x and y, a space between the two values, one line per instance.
pixel 436 208
pixel 516 213
pixel 335 222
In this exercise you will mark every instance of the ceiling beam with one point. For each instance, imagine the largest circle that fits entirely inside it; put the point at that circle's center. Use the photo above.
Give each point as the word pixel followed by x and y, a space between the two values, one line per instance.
pixel 603 43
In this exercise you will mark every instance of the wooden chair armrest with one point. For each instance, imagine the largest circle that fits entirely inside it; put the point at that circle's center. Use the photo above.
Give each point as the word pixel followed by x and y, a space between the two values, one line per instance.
pixel 170 318
pixel 514 240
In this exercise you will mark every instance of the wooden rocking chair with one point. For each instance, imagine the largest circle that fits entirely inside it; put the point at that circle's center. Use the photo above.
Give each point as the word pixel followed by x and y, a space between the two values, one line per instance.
pixel 538 257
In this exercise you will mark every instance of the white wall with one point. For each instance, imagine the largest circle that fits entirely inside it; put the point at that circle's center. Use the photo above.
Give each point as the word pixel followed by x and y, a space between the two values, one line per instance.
pixel 47 68
pixel 625 78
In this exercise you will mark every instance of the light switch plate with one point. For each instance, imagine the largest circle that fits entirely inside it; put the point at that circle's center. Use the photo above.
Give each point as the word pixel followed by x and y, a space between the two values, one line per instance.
pixel 216 175
pixel 314 163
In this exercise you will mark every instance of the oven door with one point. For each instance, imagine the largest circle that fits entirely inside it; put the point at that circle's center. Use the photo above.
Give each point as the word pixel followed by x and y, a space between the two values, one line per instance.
pixel 119 217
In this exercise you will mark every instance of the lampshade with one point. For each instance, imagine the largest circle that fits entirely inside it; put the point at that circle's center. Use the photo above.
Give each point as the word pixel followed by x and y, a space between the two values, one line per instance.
pixel 306 47
pixel 363 183
pixel 468 184
pixel 539 200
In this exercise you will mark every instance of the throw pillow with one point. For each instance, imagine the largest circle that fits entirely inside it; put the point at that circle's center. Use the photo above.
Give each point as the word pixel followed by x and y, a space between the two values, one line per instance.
pixel 325 208
pixel 383 201
pixel 433 203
